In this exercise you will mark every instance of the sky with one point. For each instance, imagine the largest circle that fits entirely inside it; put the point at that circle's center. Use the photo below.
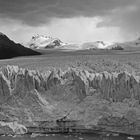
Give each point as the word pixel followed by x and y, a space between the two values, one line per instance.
pixel 72 21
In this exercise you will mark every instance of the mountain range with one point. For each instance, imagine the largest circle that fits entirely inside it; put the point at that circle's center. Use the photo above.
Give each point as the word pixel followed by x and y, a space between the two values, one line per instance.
pixel 10 49
pixel 46 42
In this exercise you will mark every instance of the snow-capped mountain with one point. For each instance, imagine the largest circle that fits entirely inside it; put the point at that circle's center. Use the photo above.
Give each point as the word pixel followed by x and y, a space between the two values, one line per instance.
pixel 96 45
pixel 130 45
pixel 47 42
pixel 44 42
pixel 9 48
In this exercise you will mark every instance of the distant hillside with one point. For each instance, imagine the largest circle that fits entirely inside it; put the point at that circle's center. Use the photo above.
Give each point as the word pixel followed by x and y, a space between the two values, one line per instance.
pixel 9 48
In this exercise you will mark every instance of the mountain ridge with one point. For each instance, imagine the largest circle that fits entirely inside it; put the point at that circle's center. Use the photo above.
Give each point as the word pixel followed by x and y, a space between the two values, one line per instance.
pixel 10 49
pixel 47 42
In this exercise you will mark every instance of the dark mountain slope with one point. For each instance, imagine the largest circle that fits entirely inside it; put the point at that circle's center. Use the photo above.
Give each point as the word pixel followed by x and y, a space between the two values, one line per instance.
pixel 9 48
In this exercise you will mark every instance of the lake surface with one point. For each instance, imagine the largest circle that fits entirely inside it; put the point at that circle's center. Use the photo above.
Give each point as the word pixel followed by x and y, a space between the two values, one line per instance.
pixel 71 137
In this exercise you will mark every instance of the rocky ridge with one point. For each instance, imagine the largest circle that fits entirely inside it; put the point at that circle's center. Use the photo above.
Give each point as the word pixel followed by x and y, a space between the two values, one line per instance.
pixel 71 100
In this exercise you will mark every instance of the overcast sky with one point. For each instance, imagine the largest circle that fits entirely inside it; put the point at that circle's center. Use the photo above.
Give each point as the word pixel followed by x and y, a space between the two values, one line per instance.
pixel 71 20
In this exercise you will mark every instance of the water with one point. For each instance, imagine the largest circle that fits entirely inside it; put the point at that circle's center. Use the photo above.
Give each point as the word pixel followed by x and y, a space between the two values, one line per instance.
pixel 71 137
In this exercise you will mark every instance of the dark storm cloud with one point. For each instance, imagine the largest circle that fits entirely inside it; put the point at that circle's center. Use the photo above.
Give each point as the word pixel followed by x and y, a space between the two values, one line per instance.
pixel 121 13
pixel 127 18
pixel 35 12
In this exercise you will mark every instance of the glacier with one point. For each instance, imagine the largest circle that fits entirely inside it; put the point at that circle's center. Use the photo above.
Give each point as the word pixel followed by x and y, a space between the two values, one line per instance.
pixel 74 100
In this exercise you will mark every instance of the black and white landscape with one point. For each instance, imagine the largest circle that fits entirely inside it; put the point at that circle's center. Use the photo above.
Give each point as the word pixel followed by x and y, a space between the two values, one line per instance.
pixel 70 69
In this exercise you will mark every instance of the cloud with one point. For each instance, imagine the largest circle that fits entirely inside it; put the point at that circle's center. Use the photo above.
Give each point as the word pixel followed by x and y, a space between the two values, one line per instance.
pixel 36 12
pixel 117 16
pixel 127 18
pixel 70 30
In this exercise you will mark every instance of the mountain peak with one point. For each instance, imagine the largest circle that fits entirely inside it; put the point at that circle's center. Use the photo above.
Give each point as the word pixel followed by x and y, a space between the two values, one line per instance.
pixel 42 42
pixel 42 36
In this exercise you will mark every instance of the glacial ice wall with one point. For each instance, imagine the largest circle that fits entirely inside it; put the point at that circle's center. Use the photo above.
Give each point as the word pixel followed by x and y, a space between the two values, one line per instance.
pixel 91 98
pixel 111 86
